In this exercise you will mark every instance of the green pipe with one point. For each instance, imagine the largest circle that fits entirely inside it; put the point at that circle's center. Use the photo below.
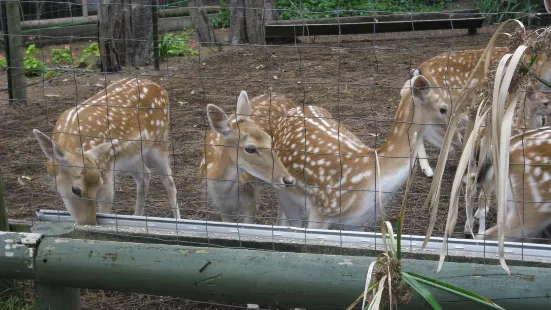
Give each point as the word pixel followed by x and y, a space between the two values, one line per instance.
pixel 227 275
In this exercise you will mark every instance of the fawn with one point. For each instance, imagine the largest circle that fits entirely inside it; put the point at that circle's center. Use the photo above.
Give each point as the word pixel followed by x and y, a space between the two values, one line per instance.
pixel 333 169
pixel 237 146
pixel 448 73
pixel 122 128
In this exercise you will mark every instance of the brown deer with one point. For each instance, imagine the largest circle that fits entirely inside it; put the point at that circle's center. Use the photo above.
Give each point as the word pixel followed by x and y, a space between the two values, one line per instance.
pixel 335 171
pixel 448 74
pixel 238 145
pixel 123 128
pixel 531 116
pixel 529 194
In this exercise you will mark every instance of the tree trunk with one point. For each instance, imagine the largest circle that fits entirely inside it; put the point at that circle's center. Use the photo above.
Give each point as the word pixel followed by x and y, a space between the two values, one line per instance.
pixel 248 18
pixel 238 31
pixel 203 26
pixel 125 33
pixel 142 30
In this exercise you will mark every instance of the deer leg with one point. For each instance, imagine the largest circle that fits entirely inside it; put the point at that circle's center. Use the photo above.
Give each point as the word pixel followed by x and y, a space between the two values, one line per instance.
pixel 481 212
pixel 142 180
pixel 316 221
pixel 514 228
pixel 247 201
pixel 159 161
pixel 105 198
pixel 106 194
pixel 470 220
pixel 290 203
pixel 423 162
pixel 281 217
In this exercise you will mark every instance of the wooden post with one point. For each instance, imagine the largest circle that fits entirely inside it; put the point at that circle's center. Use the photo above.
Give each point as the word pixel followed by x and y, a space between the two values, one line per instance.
pixel 155 21
pixel 55 297
pixel 85 8
pixel 6 285
pixel 227 275
pixel 16 70
pixel 4 226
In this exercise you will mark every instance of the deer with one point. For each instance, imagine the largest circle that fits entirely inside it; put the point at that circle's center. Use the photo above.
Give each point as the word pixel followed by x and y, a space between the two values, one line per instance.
pixel 528 199
pixel 123 128
pixel 531 116
pixel 237 145
pixel 448 73
pixel 335 172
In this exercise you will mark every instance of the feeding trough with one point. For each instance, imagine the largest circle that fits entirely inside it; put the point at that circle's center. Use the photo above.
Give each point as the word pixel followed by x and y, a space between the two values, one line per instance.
pixel 290 29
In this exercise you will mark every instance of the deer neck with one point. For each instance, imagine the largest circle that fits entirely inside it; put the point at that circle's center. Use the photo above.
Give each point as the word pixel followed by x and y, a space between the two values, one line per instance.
pixel 221 165
pixel 407 133
pixel 527 119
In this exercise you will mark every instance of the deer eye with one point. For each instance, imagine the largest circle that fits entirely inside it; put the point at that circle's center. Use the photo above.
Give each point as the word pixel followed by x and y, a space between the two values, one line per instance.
pixel 545 103
pixel 443 110
pixel 77 191
pixel 250 149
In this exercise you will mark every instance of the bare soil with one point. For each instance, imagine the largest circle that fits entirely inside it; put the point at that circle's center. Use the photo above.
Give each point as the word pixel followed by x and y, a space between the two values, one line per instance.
pixel 357 78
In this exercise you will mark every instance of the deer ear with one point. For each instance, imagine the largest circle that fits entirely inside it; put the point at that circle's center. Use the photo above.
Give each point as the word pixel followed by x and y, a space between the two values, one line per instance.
pixel 218 120
pixel 243 107
pixel 420 87
pixel 49 147
pixel 99 150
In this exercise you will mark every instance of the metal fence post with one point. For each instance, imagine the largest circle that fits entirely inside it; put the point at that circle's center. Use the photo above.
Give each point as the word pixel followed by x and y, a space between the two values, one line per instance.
pixel 54 297
pixel 15 54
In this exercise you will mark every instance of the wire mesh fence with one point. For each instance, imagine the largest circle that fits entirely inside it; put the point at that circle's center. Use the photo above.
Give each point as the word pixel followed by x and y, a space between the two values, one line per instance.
pixel 327 156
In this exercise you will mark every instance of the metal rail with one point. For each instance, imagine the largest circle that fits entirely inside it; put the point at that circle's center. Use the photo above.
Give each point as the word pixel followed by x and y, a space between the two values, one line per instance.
pixel 159 228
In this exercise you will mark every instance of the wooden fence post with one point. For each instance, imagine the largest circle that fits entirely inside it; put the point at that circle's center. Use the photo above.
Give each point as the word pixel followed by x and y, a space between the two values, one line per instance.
pixel 155 22
pixel 54 297
pixel 15 54
pixel 6 285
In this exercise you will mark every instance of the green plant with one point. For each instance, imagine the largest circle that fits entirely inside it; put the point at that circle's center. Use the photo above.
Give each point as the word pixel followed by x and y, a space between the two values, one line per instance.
pixel 178 45
pixel 34 66
pixel 389 277
pixel 504 10
pixel 3 63
pixel 63 55
pixel 308 9
pixel 223 18
pixel 87 59
pixel 15 303
pixel 89 56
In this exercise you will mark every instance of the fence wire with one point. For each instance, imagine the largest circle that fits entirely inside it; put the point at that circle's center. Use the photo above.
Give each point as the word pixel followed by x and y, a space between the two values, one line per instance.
pixel 357 78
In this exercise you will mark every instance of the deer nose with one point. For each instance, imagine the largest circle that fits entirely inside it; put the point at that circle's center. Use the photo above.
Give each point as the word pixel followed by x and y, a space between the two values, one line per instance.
pixel 288 181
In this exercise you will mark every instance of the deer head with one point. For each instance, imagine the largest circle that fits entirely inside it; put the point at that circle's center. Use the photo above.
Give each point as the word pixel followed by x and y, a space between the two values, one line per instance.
pixel 434 112
pixel 77 177
pixel 247 147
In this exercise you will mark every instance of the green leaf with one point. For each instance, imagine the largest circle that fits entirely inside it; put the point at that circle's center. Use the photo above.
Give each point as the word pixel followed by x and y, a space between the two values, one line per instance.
pixel 452 289
pixel 423 291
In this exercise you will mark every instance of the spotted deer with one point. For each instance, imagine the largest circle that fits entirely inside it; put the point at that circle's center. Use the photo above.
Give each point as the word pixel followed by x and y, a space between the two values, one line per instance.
pixel 448 73
pixel 529 184
pixel 123 128
pixel 531 116
pixel 237 145
pixel 334 170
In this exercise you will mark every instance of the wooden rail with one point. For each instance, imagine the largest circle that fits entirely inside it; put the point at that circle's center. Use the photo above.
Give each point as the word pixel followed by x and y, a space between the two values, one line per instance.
pixel 375 24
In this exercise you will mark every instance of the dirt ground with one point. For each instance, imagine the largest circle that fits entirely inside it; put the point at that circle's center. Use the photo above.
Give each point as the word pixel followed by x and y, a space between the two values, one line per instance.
pixel 358 76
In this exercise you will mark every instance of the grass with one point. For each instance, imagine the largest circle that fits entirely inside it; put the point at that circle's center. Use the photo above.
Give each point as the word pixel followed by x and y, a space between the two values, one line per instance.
pixel 15 303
